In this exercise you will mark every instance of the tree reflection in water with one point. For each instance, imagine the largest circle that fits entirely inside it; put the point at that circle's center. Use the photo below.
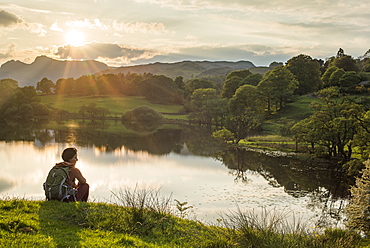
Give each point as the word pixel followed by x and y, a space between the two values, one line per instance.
pixel 321 181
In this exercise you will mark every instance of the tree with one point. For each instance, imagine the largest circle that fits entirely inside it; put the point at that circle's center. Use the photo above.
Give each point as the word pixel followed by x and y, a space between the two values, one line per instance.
pixel 307 72
pixel 246 98
pixel 142 114
pixel 242 74
pixel 362 137
pixel 109 84
pixel 207 107
pixel 346 62
pixel 45 86
pixel 326 76
pixel 195 84
pixel 350 79
pixel 130 86
pixel 65 86
pixel 252 79
pixel 179 81
pixel 160 89
pixel 93 111
pixel 340 53
pixel 358 209
pixel 230 86
pixel 246 109
pixel 335 77
pixel 23 104
pixel 223 134
pixel 7 86
pixel 366 65
pixel 275 64
pixel 86 85
pixel 333 125
pixel 277 86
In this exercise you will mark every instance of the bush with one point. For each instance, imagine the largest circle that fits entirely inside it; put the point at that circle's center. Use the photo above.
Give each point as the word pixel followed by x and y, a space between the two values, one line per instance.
pixel 223 134
pixel 358 209
pixel 142 114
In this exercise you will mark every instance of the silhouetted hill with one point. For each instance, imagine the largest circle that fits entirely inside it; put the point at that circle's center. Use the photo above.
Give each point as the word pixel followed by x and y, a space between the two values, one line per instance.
pixel 186 69
pixel 30 74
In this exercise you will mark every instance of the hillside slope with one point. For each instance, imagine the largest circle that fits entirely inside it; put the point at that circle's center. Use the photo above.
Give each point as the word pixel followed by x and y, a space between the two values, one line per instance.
pixel 186 69
pixel 30 74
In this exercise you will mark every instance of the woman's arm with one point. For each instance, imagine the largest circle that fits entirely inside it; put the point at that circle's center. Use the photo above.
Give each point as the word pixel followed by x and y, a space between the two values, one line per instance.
pixel 76 174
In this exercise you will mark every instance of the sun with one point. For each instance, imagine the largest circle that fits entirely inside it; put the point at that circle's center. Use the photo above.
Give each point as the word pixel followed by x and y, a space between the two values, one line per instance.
pixel 75 38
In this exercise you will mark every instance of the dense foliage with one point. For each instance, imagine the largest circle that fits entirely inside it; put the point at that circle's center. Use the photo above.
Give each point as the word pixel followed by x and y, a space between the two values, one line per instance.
pixel 226 105
pixel 358 210
pixel 332 127
pixel 22 104
pixel 142 114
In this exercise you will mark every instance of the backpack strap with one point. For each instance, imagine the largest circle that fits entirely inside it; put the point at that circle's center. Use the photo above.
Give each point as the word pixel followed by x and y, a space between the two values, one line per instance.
pixel 64 169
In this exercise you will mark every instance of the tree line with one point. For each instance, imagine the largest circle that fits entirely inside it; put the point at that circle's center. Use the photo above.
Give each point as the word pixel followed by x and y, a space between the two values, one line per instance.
pixel 238 105
pixel 156 88
pixel 247 99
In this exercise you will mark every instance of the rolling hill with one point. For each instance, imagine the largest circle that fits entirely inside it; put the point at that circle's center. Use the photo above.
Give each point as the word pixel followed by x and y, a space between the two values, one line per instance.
pixel 43 66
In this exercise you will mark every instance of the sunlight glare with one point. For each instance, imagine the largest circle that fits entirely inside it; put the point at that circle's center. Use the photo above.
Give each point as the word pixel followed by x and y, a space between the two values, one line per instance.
pixel 75 38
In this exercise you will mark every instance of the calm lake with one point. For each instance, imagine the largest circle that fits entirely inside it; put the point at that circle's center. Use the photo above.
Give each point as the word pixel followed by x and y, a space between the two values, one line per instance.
pixel 182 163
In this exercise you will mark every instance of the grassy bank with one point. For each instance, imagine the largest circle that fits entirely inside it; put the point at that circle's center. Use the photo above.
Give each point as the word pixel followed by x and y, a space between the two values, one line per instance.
pixel 271 138
pixel 270 142
pixel 54 224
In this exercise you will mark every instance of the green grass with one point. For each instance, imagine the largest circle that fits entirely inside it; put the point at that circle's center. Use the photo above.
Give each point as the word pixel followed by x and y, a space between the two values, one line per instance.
pixel 270 143
pixel 117 105
pixel 297 110
pixel 270 138
pixel 294 111
pixel 26 223
pixel 55 224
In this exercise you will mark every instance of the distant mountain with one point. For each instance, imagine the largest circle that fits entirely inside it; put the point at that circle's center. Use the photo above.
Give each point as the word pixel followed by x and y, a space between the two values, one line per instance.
pixel 30 74
pixel 186 69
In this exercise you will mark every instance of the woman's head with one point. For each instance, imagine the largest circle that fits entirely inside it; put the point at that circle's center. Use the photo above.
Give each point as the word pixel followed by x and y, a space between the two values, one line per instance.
pixel 69 153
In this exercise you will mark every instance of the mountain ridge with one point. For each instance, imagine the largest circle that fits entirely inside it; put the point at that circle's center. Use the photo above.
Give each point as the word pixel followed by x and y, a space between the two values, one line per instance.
pixel 43 66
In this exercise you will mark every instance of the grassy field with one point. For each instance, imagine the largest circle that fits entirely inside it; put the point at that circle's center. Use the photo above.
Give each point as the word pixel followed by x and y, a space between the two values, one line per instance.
pixel 55 224
pixel 297 110
pixel 116 105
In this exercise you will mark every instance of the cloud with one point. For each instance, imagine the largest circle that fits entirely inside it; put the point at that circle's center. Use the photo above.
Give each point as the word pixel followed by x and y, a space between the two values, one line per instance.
pixel 257 54
pixel 141 27
pixel 9 53
pixel 242 5
pixel 120 27
pixel 325 11
pixel 8 19
pixel 103 51
pixel 35 28
pixel 86 23
pixel 55 27
pixel 114 54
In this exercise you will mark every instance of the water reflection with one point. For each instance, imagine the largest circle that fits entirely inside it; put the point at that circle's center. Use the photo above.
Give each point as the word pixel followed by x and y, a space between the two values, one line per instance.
pixel 325 186
pixel 185 162
pixel 5 184
pixel 297 176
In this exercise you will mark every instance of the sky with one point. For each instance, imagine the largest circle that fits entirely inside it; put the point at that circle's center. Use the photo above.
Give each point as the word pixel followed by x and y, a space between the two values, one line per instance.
pixel 132 32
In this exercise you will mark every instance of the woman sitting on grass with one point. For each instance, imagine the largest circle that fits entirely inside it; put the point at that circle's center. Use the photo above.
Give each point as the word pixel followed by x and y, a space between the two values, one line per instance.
pixel 69 157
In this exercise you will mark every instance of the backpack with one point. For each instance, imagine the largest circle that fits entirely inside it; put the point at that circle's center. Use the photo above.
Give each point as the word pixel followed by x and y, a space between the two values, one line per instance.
pixel 55 186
